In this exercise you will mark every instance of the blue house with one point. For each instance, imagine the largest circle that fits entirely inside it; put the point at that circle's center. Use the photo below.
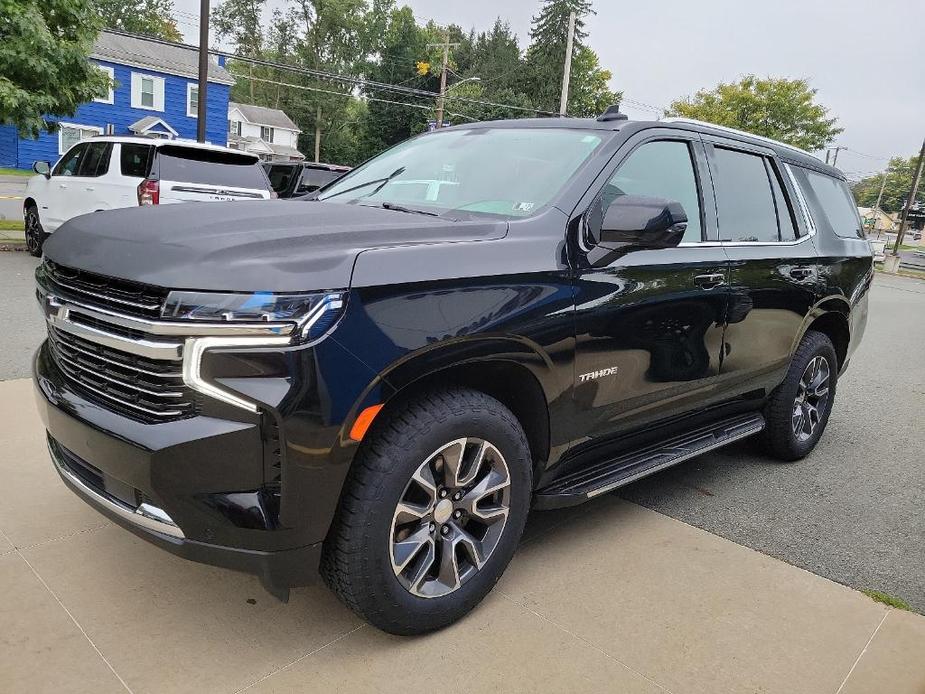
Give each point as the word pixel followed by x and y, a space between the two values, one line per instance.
pixel 155 94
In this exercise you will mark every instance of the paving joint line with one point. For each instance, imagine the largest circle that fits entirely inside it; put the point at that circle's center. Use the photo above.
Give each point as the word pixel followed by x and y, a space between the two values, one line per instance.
pixel 585 641
pixel 69 614
pixel 64 537
pixel 300 658
pixel 863 651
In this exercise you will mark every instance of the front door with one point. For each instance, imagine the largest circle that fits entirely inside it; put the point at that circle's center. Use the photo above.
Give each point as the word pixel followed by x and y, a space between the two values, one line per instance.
pixel 61 187
pixel 649 323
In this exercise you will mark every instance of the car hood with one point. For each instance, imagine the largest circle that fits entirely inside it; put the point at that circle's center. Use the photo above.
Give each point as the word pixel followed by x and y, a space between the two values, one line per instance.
pixel 268 245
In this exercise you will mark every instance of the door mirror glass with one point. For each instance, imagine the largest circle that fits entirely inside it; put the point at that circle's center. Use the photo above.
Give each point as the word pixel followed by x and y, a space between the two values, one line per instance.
pixel 642 220
pixel 42 167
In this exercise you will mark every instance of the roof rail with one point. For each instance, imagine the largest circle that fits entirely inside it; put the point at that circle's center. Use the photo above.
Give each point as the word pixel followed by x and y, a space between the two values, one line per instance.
pixel 726 128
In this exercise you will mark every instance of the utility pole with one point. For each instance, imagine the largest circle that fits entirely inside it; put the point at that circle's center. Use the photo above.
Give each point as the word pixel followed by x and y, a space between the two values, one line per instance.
pixel 877 206
pixel 203 70
pixel 566 73
pixel 318 135
pixel 911 200
pixel 446 45
pixel 835 158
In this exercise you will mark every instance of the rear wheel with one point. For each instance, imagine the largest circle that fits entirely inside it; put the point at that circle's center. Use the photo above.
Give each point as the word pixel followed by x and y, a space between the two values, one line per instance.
pixel 35 235
pixel 798 410
pixel 433 510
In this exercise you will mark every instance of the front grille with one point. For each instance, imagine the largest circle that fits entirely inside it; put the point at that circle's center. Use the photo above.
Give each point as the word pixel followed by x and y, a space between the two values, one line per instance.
pixel 127 297
pixel 146 389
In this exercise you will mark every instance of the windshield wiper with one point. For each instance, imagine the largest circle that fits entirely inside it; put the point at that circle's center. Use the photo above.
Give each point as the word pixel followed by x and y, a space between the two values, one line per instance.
pixel 400 208
pixel 381 181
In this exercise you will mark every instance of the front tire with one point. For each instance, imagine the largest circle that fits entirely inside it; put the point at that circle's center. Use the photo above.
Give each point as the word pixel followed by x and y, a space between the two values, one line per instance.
pixel 432 511
pixel 35 235
pixel 798 410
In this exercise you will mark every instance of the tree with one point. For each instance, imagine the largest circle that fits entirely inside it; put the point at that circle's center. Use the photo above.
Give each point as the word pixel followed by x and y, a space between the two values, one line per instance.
pixel 44 71
pixel 148 17
pixel 779 108
pixel 239 22
pixel 589 93
pixel 899 174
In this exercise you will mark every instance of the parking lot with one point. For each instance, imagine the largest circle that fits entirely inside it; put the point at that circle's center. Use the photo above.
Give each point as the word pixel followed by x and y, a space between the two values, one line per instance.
pixel 623 594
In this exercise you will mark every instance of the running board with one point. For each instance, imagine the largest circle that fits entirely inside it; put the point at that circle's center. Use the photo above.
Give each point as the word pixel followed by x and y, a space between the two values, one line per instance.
pixel 605 476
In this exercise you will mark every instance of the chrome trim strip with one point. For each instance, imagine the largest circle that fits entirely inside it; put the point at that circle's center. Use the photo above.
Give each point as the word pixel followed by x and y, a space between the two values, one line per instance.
pixel 147 516
pixel 727 129
pixel 124 403
pixel 64 344
pixel 118 382
pixel 192 361
pixel 104 297
pixel 331 302
pixel 164 351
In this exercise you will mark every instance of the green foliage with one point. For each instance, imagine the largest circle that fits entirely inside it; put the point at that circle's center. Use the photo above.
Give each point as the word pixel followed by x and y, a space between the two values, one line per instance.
pixel 899 174
pixel 779 108
pixel 43 61
pixel 384 43
pixel 148 17
pixel 886 599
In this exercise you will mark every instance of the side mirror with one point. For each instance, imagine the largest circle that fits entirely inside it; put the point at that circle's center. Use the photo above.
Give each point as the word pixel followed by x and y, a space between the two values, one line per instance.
pixel 642 221
pixel 42 167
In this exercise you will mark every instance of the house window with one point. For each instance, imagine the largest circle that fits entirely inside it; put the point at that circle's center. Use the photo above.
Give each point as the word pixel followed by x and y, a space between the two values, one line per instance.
pixel 192 100
pixel 109 72
pixel 266 133
pixel 147 92
pixel 70 134
pixel 234 127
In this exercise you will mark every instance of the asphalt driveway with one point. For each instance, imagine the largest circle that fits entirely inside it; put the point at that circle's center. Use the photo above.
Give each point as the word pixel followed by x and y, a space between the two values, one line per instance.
pixel 852 511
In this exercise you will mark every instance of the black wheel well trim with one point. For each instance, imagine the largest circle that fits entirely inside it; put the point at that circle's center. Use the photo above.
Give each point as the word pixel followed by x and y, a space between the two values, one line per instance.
pixel 30 202
pixel 830 316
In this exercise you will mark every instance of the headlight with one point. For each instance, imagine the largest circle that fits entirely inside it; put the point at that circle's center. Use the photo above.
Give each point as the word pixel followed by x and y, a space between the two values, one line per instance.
pixel 313 314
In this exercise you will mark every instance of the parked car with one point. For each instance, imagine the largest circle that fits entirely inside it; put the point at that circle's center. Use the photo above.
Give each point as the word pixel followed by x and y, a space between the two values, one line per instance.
pixel 107 172
pixel 293 179
pixel 382 382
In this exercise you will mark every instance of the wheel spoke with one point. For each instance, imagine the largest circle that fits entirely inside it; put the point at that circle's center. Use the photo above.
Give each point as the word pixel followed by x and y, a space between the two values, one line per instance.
pixel 453 459
pixel 406 512
pixel 493 482
pixel 423 567
pixel 405 550
pixel 448 573
pixel 471 546
pixel 425 479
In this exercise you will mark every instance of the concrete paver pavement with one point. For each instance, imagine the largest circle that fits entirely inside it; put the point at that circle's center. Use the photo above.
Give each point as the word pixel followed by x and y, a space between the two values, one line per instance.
pixel 605 597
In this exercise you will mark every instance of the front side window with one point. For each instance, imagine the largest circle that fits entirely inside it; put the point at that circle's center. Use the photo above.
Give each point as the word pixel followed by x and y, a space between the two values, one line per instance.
pixel 660 170
pixel 832 201
pixel 744 199
pixel 266 134
pixel 95 160
pixel 508 172
pixel 70 161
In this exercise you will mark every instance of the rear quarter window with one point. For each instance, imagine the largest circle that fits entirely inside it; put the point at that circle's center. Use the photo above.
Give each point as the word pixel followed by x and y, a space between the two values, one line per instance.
pixel 208 167
pixel 831 202
pixel 135 160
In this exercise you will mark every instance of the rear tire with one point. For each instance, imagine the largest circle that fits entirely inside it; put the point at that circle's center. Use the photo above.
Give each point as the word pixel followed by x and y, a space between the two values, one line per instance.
pixel 798 410
pixel 35 235
pixel 419 538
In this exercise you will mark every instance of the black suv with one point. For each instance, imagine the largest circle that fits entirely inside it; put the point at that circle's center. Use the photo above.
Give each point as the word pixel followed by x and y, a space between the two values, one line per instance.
pixel 294 179
pixel 379 384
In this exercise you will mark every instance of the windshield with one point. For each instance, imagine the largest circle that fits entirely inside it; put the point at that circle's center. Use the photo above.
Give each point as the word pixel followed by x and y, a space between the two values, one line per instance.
pixel 502 171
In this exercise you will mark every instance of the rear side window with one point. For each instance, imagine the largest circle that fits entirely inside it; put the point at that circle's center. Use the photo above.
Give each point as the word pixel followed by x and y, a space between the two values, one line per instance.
pixel 135 160
pixel 744 199
pixel 831 200
pixel 207 167
pixel 95 160
pixel 313 179
pixel 280 176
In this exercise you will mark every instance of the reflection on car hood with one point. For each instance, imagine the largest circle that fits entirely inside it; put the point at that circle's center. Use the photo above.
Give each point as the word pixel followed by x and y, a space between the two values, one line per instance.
pixel 268 245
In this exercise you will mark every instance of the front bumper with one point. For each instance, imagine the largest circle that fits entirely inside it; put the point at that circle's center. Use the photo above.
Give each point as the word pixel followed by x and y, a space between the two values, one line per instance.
pixel 165 483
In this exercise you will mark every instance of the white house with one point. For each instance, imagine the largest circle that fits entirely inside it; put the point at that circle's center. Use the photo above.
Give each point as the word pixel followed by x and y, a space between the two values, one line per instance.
pixel 267 132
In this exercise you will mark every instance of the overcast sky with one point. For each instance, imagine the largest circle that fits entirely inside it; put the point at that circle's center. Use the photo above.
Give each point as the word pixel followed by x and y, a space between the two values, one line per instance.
pixel 866 58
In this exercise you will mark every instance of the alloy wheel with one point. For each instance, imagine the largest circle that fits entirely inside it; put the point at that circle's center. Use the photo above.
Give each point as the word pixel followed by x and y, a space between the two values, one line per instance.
pixel 812 398
pixel 33 233
pixel 450 517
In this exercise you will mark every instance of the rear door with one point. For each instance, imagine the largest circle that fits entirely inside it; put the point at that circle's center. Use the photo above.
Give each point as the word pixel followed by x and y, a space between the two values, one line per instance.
pixel 188 174
pixel 650 322
pixel 88 189
pixel 773 263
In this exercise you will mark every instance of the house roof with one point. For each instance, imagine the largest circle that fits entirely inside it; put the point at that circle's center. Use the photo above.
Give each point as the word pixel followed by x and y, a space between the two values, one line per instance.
pixel 137 51
pixel 260 115
pixel 143 125
pixel 283 150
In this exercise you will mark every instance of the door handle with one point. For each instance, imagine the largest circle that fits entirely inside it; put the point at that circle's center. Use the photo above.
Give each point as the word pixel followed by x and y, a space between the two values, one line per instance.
pixel 801 273
pixel 62 185
pixel 709 281
pixel 90 188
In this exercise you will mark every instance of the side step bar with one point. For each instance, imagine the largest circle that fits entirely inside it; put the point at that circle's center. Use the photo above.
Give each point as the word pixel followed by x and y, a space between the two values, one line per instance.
pixel 605 476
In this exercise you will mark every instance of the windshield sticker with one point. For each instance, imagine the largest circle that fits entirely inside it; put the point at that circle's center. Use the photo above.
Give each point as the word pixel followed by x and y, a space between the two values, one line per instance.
pixel 523 206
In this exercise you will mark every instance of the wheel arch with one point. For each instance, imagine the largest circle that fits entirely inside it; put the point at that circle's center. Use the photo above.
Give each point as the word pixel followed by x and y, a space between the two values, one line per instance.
pixel 831 317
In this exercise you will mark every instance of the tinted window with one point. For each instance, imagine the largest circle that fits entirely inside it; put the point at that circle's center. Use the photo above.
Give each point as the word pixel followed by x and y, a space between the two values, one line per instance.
pixel 134 160
pixel 188 165
pixel 95 160
pixel 744 202
pixel 313 179
pixel 831 200
pixel 70 161
pixel 788 231
pixel 660 170
pixel 280 176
